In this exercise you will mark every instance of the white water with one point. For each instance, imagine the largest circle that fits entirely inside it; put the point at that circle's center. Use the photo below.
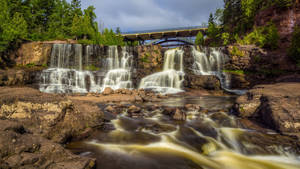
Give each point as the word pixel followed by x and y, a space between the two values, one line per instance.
pixel 119 69
pixel 171 78
pixel 66 74
pixel 210 61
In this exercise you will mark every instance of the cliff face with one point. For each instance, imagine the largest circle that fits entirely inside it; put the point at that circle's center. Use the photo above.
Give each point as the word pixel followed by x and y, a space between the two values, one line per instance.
pixel 32 53
pixel 285 20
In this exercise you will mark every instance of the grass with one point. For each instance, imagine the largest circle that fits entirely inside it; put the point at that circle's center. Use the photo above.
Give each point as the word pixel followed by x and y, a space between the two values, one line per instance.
pixel 239 72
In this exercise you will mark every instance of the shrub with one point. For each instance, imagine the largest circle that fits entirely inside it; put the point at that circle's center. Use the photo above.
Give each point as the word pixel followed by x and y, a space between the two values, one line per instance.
pixel 237 52
pixel 199 39
pixel 294 50
pixel 226 38
pixel 265 37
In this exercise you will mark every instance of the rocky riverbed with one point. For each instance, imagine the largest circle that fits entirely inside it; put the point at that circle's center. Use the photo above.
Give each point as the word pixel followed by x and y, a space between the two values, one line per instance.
pixel 36 127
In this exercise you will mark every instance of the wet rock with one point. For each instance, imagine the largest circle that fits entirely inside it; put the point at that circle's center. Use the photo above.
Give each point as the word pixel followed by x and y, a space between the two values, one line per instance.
pixel 134 109
pixel 202 82
pixel 110 109
pixel 192 107
pixel 276 106
pixel 108 91
pixel 179 115
pixel 168 110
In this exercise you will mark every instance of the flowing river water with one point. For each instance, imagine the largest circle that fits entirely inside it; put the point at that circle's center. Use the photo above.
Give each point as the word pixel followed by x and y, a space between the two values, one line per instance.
pixel 210 138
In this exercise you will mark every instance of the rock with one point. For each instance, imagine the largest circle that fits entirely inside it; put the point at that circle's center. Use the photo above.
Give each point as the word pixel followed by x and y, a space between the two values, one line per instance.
pixel 168 111
pixel 108 91
pixel 49 115
pixel 126 91
pixel 179 115
pixel 138 98
pixel 202 82
pixel 134 109
pixel 110 109
pixel 276 106
pixel 26 150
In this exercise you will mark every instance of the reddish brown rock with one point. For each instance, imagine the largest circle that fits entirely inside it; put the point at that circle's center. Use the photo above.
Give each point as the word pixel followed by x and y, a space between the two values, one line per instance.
pixel 276 106
pixel 179 115
pixel 108 91
pixel 134 109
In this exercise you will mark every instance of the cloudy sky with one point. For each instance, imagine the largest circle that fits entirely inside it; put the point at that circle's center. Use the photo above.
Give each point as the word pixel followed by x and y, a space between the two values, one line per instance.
pixel 131 15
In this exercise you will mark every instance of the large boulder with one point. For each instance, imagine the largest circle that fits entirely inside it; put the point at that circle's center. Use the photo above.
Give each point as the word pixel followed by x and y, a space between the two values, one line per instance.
pixel 21 149
pixel 276 106
pixel 202 82
pixel 51 116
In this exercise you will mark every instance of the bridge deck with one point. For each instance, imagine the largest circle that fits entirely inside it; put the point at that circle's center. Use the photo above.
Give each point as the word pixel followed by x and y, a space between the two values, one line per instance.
pixel 161 34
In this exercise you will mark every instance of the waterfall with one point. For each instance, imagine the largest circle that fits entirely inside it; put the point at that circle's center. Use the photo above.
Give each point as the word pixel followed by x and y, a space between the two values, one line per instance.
pixel 119 69
pixel 171 78
pixel 66 74
pixel 210 61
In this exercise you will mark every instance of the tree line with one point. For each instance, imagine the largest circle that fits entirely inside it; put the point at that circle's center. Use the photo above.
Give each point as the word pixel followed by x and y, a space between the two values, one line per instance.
pixel 40 20
pixel 235 24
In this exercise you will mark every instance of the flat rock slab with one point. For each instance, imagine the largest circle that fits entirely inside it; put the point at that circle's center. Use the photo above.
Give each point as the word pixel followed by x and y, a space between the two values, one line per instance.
pixel 276 106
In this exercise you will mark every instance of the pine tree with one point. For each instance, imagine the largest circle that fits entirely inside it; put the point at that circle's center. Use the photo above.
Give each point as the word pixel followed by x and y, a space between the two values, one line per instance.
pixel 76 7
pixel 211 19
pixel 199 39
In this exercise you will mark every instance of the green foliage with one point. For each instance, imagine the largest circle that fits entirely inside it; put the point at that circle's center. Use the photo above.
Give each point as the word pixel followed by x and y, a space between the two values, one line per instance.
pixel 237 52
pixel 239 72
pixel 226 38
pixel 30 65
pixel 214 34
pixel 92 68
pixel 265 37
pixel 39 20
pixel 109 38
pixel 199 39
pixel 145 58
pixel 294 50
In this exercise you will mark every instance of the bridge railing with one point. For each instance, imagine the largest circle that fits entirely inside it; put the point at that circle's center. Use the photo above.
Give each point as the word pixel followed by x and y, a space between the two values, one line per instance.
pixel 164 30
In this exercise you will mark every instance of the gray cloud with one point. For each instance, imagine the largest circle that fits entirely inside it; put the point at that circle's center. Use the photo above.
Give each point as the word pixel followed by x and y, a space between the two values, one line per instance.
pixel 152 14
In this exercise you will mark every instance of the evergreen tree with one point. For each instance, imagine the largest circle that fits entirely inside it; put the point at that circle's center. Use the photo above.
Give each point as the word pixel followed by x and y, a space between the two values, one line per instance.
pixel 76 7
pixel 199 39
pixel 118 30
pixel 211 19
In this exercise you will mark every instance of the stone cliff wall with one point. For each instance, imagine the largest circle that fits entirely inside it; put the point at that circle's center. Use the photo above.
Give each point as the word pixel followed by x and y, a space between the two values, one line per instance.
pixel 149 60
pixel 32 53
pixel 285 20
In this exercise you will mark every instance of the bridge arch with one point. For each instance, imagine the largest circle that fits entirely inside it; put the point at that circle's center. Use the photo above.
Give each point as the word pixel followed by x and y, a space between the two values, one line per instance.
pixel 184 42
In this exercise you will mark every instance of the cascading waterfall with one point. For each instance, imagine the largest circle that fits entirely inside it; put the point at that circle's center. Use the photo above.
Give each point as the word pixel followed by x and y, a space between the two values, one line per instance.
pixel 66 74
pixel 119 69
pixel 210 61
pixel 172 76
